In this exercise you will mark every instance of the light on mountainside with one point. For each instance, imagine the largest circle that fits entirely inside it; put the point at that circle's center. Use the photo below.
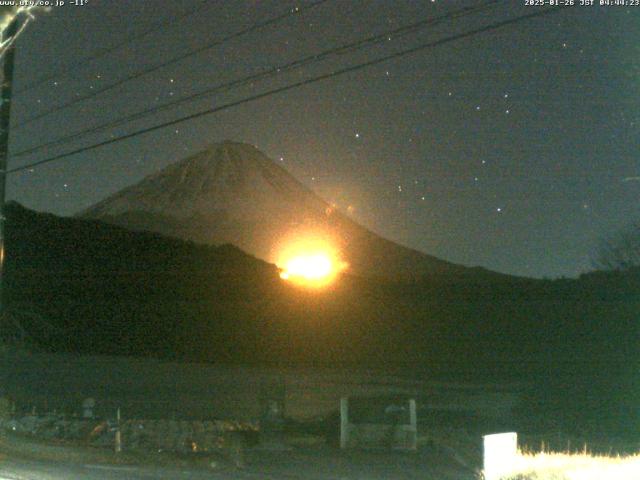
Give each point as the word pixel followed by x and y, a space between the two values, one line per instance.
pixel 311 262
pixel 313 267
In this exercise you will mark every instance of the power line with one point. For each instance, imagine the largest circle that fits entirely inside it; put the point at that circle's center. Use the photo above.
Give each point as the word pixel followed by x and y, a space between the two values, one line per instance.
pixel 268 93
pixel 71 67
pixel 171 61
pixel 299 63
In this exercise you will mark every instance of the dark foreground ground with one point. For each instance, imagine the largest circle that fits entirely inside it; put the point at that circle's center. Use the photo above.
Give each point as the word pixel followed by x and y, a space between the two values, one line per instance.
pixel 311 463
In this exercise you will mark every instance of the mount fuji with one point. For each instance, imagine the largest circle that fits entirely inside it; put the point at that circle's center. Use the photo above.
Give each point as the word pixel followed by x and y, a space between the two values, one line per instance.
pixel 233 193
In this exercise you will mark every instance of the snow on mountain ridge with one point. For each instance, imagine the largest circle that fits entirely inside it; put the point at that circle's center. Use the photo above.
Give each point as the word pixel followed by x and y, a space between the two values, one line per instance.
pixel 228 176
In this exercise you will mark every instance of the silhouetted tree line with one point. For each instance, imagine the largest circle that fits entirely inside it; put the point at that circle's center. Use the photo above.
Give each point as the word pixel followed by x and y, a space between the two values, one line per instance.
pixel 620 251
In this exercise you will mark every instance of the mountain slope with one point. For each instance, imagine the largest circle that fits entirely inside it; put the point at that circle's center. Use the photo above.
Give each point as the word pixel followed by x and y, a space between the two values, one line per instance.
pixel 111 288
pixel 233 193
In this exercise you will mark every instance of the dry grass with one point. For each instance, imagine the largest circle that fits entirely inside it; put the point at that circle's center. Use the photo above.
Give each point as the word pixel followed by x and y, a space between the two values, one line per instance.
pixel 575 466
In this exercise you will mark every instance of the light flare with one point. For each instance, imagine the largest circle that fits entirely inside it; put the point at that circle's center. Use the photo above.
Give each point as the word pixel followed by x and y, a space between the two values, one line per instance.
pixel 310 267
pixel 310 261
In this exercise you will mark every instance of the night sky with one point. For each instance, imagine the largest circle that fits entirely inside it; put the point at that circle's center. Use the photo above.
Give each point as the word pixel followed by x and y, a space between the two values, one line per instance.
pixel 515 149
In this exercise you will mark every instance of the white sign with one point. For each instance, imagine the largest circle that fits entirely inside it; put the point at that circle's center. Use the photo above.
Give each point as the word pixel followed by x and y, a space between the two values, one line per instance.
pixel 500 455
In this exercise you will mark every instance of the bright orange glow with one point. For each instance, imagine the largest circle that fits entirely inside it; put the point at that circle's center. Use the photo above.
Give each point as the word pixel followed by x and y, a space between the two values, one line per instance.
pixel 310 261
pixel 310 267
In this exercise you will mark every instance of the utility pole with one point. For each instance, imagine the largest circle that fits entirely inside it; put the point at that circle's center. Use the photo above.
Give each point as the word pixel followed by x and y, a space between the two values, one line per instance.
pixel 5 120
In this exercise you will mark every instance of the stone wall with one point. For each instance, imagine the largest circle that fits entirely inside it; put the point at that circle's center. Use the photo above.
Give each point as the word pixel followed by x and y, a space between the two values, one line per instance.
pixel 137 434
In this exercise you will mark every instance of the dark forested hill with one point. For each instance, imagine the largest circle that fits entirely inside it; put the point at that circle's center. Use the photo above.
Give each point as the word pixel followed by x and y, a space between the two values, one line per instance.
pixel 109 290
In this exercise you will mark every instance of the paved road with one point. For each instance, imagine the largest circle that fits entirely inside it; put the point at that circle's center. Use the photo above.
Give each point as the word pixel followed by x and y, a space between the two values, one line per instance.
pixel 310 465
pixel 31 470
